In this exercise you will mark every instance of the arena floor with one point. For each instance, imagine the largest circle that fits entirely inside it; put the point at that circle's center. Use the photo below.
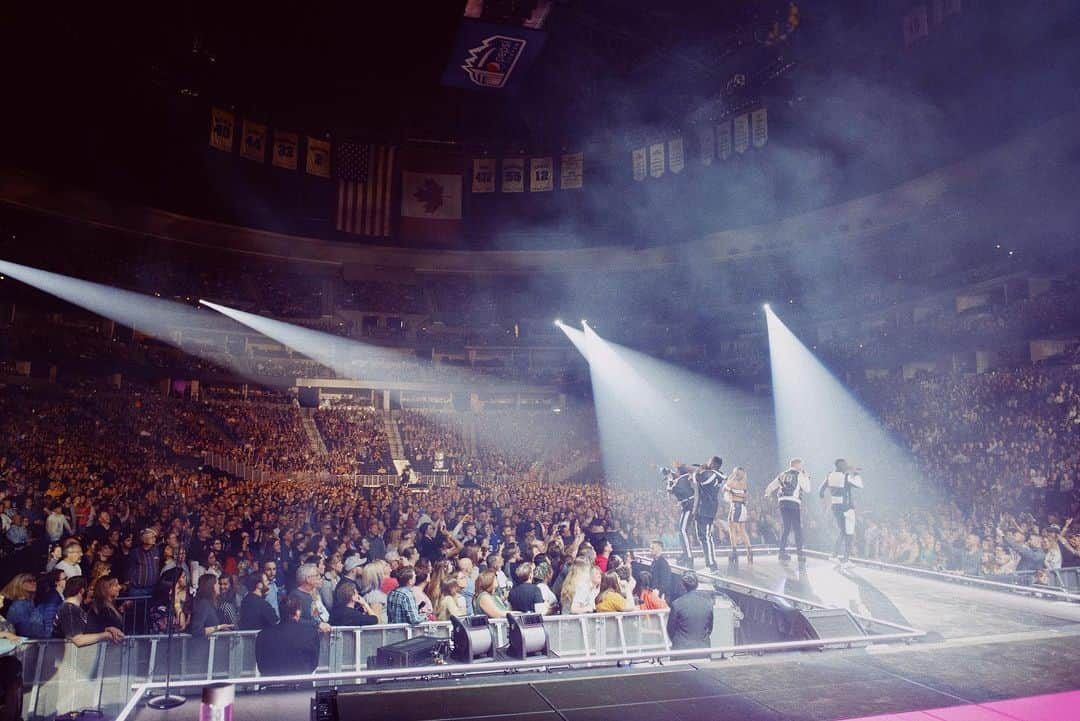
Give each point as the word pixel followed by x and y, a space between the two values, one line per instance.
pixel 983 647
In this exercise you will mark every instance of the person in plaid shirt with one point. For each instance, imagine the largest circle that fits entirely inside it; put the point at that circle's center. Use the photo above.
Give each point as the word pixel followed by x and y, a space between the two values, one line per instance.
pixel 401 603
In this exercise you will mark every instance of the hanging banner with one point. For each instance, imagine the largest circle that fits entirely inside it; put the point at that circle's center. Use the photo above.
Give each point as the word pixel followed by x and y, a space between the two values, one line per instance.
pixel 707 144
pixel 759 123
pixel 513 175
pixel 742 133
pixel 639 163
pixel 318 157
pixel 222 129
pixel 723 140
pixel 286 150
pixel 571 166
pixel 483 175
pixel 491 57
pixel 541 175
pixel 253 141
pixel 656 160
pixel 916 25
pixel 676 158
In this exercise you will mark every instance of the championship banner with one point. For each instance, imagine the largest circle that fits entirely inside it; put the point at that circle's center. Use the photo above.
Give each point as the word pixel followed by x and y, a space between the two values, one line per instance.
pixel 222 129
pixel 487 56
pixel 676 158
pixel 656 160
pixel 541 175
pixel 483 175
pixel 638 156
pixel 723 140
pixel 571 170
pixel 759 124
pixel 253 141
pixel 513 175
pixel 742 133
pixel 707 144
pixel 286 150
pixel 318 157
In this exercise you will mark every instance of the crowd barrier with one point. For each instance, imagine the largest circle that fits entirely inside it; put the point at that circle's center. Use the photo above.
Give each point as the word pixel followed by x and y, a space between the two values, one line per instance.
pixel 1061 579
pixel 60 677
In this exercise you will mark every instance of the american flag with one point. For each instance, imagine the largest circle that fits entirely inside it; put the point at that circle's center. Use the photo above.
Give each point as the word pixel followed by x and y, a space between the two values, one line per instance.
pixel 365 185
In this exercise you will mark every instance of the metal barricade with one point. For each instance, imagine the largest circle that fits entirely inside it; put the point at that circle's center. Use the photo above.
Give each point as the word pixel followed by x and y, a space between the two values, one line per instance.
pixel 60 677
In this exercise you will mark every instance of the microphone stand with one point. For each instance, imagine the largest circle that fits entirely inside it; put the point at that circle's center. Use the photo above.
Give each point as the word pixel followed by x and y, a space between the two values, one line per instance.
pixel 167 700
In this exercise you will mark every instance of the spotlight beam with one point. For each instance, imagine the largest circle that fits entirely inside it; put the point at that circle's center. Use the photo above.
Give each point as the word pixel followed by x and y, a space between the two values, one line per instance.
pixel 819 419
pixel 163 320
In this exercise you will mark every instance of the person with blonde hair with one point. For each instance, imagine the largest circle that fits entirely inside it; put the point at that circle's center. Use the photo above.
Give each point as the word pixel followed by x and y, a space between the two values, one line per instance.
pixel 736 494
pixel 22 612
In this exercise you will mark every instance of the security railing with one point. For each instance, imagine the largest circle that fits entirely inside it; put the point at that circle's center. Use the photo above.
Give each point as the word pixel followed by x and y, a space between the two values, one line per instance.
pixel 60 677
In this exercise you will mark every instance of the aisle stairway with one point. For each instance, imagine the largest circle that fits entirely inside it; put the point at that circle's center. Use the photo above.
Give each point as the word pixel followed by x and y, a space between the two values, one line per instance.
pixel 312 431
pixel 393 438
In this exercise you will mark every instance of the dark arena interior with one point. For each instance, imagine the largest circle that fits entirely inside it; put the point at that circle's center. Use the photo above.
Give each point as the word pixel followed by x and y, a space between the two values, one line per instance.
pixel 742 338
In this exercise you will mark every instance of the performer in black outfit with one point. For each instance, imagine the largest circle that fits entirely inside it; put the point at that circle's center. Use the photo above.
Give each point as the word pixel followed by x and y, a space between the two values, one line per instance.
pixel 840 487
pixel 709 480
pixel 788 487
pixel 680 485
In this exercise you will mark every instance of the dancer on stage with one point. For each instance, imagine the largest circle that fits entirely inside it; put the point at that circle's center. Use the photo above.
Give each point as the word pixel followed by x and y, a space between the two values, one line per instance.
pixel 788 487
pixel 736 494
pixel 680 485
pixel 708 479
pixel 840 486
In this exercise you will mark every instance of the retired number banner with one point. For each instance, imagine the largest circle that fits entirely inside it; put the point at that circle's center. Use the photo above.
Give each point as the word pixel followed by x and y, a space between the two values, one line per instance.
pixel 222 129
pixel 656 160
pixel 253 141
pixel 483 176
pixel 513 175
pixel 640 163
pixel 318 157
pixel 742 133
pixel 541 175
pixel 286 150
pixel 676 156
pixel 571 170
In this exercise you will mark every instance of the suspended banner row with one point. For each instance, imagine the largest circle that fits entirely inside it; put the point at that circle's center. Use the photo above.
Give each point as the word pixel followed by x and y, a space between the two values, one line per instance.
pixel 255 138
pixel 721 141
pixel 541 174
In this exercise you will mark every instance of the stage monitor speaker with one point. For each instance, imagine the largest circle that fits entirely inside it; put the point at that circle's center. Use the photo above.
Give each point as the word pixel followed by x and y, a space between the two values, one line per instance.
pixel 473 638
pixel 417 651
pixel 824 624
pixel 528 636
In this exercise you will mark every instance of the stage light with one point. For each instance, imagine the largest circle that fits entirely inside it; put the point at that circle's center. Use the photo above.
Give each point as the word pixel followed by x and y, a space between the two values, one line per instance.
pixel 584 322
pixel 558 323
pixel 766 307
pixel 819 419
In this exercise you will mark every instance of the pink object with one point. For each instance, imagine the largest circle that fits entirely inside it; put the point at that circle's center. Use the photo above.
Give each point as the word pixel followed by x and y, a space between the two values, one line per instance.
pixel 1050 707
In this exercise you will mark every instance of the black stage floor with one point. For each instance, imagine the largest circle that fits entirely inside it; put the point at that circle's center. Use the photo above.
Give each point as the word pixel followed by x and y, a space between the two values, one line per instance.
pixel 808 686
pixel 982 646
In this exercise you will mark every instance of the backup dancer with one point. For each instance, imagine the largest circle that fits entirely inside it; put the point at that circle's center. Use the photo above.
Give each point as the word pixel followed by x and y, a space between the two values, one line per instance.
pixel 788 487
pixel 736 494
pixel 679 484
pixel 708 480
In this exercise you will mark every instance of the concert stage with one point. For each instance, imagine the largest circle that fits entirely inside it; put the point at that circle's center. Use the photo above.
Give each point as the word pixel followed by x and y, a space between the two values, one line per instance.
pixel 983 646
pixel 942 607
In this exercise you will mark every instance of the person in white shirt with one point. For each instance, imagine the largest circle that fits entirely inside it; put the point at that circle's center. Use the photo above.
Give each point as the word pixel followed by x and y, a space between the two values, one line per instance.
pixel 70 563
pixel 788 487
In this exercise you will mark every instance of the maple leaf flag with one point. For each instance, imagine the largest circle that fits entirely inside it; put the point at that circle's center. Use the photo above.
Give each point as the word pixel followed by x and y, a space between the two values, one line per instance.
pixel 431 189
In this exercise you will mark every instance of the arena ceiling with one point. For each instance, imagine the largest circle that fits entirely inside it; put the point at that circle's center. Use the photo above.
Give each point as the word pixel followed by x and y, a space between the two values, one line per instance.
pixel 377 65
